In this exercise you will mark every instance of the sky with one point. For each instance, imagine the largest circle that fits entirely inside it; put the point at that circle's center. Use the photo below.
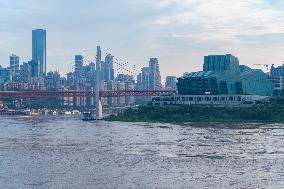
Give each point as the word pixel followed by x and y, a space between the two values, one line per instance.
pixel 178 32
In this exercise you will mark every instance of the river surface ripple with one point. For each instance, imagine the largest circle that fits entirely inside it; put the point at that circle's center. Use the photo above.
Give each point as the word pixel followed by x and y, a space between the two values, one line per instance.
pixel 64 152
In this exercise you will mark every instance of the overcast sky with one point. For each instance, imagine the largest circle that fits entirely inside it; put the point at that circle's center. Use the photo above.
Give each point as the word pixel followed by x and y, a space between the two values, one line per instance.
pixel 178 32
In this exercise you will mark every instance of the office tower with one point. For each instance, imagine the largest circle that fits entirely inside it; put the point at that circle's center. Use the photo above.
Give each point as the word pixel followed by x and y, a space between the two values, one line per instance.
pixel 35 68
pixel 25 73
pixel 154 75
pixel 145 78
pixel 79 65
pixel 143 83
pixel 5 75
pixel 108 68
pixel 14 66
pixel 52 80
pixel 39 50
pixel 171 83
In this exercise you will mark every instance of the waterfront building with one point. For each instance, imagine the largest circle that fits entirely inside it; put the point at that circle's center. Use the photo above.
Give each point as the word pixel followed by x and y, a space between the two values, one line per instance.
pixel 210 100
pixel 39 51
pixel 14 66
pixel 277 77
pixel 171 83
pixel 222 75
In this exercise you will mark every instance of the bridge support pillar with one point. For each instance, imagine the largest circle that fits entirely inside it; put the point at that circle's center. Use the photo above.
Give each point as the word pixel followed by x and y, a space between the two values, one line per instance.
pixel 99 111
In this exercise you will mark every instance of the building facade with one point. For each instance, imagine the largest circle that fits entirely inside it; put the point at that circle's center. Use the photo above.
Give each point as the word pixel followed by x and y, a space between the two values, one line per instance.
pixel 5 75
pixel 79 62
pixel 210 100
pixel 154 75
pixel 277 77
pixel 171 83
pixel 108 68
pixel 39 50
pixel 14 66
pixel 222 75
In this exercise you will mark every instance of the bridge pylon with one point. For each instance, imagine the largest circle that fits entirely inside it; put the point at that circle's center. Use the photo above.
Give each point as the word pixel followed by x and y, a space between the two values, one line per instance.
pixel 99 112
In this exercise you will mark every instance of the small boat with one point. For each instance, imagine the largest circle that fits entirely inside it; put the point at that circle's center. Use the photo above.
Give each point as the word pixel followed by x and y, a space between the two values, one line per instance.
pixel 24 112
pixel 67 113
pixel 75 112
pixel 88 116
pixel 34 113
pixel 54 113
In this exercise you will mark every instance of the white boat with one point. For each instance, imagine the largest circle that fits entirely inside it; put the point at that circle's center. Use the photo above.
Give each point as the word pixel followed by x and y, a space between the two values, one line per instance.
pixel 67 113
pixel 76 112
pixel 34 113
pixel 54 113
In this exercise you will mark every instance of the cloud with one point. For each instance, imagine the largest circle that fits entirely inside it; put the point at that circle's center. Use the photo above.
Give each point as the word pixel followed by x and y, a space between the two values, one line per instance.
pixel 220 20
pixel 175 31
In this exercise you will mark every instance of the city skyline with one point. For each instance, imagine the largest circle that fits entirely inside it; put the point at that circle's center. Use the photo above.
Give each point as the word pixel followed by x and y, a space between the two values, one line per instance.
pixel 189 30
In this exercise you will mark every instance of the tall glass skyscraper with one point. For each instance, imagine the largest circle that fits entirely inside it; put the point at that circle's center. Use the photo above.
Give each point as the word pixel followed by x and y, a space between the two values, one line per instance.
pixel 154 74
pixel 14 65
pixel 79 61
pixel 39 50
pixel 108 68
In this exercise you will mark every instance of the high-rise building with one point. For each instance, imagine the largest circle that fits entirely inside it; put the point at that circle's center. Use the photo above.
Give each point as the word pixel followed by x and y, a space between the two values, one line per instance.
pixel 5 75
pixel 154 75
pixel 35 68
pixel 108 68
pixel 39 50
pixel 14 66
pixel 171 83
pixel 25 73
pixel 79 65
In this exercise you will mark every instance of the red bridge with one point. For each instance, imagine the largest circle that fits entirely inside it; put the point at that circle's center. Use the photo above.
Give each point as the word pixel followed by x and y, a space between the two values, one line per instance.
pixel 83 93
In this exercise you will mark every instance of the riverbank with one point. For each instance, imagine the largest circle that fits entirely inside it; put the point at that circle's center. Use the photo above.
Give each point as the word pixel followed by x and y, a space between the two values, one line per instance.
pixel 265 113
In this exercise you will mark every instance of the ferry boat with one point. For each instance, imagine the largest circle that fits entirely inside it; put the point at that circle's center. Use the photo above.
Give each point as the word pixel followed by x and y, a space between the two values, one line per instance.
pixel 88 116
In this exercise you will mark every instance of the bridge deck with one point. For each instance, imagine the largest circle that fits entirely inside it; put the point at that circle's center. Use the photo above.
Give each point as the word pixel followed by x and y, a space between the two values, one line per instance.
pixel 83 93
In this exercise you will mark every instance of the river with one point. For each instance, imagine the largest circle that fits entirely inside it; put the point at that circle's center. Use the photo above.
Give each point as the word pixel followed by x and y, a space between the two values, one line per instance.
pixel 64 152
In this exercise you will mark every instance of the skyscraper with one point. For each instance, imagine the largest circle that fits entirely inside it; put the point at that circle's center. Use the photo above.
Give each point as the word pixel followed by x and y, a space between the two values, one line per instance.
pixel 14 65
pixel 39 50
pixel 108 68
pixel 78 65
pixel 171 83
pixel 154 75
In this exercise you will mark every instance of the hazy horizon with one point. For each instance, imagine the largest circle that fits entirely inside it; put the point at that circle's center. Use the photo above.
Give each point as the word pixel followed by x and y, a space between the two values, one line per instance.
pixel 178 32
